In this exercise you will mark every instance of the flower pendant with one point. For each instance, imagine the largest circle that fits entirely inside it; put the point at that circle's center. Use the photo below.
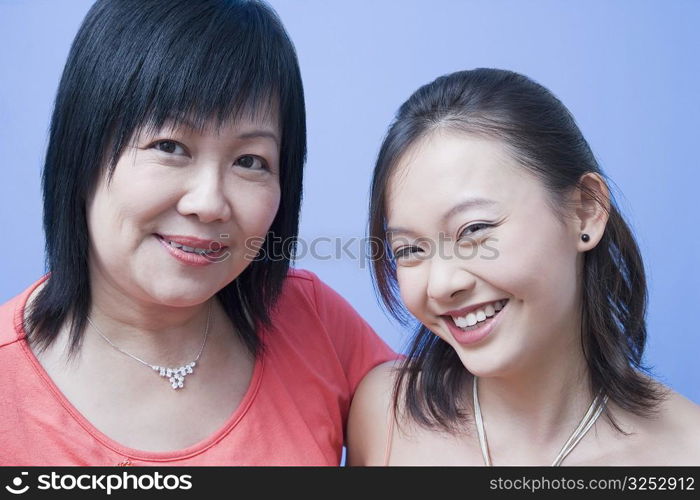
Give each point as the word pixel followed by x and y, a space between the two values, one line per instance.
pixel 176 376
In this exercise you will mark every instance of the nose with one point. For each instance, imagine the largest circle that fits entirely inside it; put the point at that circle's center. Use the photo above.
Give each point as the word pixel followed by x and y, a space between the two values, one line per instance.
pixel 447 278
pixel 206 196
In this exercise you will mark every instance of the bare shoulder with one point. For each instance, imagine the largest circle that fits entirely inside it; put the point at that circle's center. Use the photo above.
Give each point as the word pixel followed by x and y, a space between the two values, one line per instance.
pixel 369 415
pixel 681 418
pixel 671 436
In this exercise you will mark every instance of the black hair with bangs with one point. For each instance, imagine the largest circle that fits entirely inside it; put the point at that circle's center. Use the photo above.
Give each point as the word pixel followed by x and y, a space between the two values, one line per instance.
pixel 136 64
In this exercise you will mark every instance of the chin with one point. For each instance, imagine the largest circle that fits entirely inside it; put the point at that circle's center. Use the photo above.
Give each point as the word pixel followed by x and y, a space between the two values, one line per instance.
pixel 484 364
pixel 179 301
pixel 180 295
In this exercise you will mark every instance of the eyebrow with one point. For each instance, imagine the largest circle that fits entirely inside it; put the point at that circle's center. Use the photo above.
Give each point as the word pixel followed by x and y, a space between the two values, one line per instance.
pixel 463 206
pixel 251 134
pixel 467 204
pixel 258 133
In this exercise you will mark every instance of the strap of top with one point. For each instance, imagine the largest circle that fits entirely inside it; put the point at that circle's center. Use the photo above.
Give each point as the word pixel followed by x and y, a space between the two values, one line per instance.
pixel 389 435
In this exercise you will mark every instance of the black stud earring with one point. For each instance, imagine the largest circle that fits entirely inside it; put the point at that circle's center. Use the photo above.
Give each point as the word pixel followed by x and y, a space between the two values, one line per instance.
pixel 585 238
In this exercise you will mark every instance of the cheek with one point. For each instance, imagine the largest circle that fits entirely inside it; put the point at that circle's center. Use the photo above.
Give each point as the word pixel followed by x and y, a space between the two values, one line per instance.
pixel 257 208
pixel 412 287
pixel 254 211
pixel 107 213
pixel 124 214
pixel 537 266
pixel 138 194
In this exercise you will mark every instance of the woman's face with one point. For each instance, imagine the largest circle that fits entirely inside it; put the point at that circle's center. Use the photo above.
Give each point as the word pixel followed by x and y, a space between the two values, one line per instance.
pixel 212 190
pixel 482 259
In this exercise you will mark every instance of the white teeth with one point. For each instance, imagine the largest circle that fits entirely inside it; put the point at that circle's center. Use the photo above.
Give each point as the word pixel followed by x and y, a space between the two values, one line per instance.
pixel 199 251
pixel 475 317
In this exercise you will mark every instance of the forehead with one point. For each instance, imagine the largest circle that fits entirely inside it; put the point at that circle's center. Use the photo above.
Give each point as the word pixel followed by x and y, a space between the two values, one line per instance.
pixel 446 167
pixel 259 119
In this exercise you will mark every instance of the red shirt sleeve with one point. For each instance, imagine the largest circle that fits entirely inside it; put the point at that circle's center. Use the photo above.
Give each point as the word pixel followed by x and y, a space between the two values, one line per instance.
pixel 358 347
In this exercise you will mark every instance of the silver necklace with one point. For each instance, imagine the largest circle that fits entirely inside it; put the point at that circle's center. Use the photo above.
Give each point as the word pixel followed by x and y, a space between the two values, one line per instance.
pixel 176 376
pixel 594 411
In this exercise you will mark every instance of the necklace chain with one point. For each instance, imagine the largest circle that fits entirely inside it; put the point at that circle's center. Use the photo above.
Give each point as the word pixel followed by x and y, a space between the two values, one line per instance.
pixel 176 376
pixel 594 410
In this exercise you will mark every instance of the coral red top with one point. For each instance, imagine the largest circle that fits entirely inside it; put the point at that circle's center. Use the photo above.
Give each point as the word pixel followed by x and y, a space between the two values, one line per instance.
pixel 293 413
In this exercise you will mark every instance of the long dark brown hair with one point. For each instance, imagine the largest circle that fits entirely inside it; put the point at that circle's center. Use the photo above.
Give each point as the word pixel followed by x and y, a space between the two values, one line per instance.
pixel 543 137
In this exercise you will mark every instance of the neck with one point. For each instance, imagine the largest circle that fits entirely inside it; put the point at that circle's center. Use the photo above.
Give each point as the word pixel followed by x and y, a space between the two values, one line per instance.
pixel 530 412
pixel 157 333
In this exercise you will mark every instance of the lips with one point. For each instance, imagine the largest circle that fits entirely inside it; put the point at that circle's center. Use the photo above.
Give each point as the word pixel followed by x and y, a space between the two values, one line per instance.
pixel 456 313
pixel 193 256
pixel 193 241
pixel 473 334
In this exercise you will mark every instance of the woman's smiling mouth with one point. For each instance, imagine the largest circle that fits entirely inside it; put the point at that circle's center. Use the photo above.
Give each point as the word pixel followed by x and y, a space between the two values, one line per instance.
pixel 471 324
pixel 192 251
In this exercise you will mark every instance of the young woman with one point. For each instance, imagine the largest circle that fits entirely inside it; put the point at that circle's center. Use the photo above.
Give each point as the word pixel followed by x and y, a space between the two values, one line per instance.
pixel 503 240
pixel 169 329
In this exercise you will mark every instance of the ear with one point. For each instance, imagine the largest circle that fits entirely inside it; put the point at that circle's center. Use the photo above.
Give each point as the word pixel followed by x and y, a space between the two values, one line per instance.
pixel 592 208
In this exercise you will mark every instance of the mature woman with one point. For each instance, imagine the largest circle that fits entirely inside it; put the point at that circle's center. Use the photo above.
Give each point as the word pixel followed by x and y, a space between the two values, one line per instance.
pixel 169 328
pixel 504 242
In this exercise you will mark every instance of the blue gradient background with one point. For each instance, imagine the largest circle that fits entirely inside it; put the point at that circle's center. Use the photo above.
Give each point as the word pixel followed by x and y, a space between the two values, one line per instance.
pixel 628 70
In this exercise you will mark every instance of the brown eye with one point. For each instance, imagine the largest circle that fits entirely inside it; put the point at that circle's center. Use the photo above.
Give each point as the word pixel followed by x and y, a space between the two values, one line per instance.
pixel 405 252
pixel 169 147
pixel 251 162
pixel 474 228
